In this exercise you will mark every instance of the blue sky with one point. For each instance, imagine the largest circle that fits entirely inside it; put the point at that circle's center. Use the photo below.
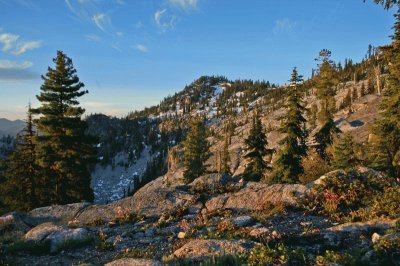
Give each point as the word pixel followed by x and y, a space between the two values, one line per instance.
pixel 132 53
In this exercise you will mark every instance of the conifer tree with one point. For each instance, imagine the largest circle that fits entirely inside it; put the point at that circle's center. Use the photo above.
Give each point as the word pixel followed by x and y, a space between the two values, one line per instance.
pixel 387 3
pixel 64 151
pixel 288 165
pixel 196 151
pixel 344 156
pixel 325 93
pixel 325 82
pixel 388 127
pixel 256 146
pixel 224 157
pixel 20 189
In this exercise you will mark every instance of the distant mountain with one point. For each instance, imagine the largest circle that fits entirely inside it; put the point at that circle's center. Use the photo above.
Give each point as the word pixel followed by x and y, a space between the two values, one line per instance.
pixel 8 127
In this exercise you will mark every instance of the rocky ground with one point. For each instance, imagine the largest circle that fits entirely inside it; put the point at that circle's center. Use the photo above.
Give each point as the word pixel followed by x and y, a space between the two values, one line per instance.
pixel 167 222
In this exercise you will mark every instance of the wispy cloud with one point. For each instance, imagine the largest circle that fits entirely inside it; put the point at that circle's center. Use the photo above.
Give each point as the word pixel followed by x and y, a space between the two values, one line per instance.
pixel 101 20
pixel 116 47
pixel 12 42
pixel 284 25
pixel 141 48
pixel 26 46
pixel 14 71
pixel 92 38
pixel 8 40
pixel 163 20
pixel 11 65
pixel 184 4
pixel 119 34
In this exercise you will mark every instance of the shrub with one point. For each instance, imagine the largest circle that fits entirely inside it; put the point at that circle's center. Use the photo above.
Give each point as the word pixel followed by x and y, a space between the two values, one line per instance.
pixel 354 196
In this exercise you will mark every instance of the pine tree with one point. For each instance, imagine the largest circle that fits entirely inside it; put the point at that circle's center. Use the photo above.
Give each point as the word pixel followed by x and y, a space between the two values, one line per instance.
pixel 19 191
pixel 325 82
pixel 354 95
pixel 325 93
pixel 224 157
pixel 386 3
pixel 344 156
pixel 64 151
pixel 256 146
pixel 196 151
pixel 288 165
pixel 388 127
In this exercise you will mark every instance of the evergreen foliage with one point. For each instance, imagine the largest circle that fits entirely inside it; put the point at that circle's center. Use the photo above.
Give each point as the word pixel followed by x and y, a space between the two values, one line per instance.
pixel 64 151
pixel 256 146
pixel 386 3
pixel 20 188
pixel 224 157
pixel 196 151
pixel 387 148
pixel 326 80
pixel 344 156
pixel 325 137
pixel 288 165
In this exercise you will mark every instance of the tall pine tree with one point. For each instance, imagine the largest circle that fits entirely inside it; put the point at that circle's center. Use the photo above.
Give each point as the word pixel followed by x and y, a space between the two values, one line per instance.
pixel 288 165
pixel 386 150
pixel 196 151
pixel 325 82
pixel 64 151
pixel 20 189
pixel 256 146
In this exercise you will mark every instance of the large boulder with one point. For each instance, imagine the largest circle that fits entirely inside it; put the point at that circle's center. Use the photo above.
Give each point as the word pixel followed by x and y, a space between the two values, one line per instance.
pixel 55 234
pixel 59 214
pixel 199 249
pixel 258 196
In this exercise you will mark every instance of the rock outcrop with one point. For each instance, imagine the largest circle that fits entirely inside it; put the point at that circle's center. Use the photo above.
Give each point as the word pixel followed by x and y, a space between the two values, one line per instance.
pixel 199 249
pixel 55 234
pixel 256 196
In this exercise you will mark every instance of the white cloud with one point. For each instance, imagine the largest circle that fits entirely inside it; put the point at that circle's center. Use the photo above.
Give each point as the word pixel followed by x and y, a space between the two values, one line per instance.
pixel 284 25
pixel 101 20
pixel 92 38
pixel 8 40
pixel 184 4
pixel 141 48
pixel 119 34
pixel 158 15
pixel 11 65
pixel 163 20
pixel 26 46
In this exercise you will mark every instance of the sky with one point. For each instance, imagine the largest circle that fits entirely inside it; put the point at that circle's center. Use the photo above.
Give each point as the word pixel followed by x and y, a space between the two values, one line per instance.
pixel 132 53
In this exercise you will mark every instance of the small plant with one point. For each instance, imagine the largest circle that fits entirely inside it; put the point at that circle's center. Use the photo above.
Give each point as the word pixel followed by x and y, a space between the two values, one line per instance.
pixel 74 244
pixel 280 255
pixel 30 247
pixel 102 244
pixel 268 210
pixel 137 253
